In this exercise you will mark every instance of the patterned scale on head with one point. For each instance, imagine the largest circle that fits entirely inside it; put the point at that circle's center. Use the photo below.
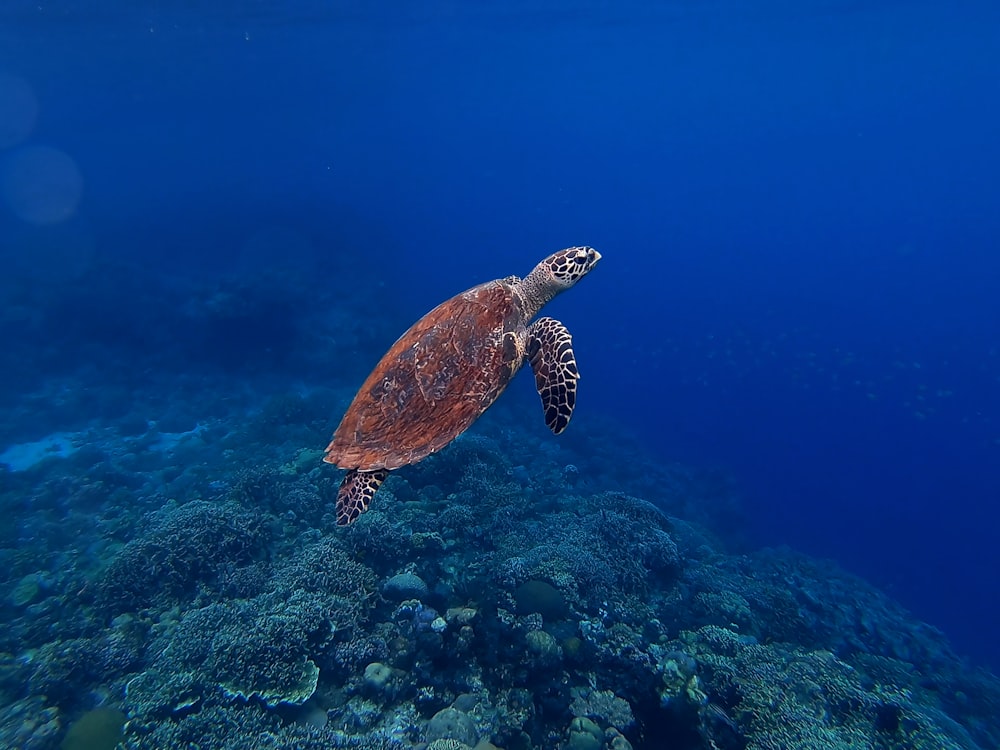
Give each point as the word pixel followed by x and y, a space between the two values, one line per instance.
pixel 449 368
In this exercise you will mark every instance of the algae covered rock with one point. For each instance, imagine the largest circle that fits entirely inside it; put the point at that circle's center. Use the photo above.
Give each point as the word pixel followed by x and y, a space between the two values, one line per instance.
pixel 99 729
pixel 29 724
pixel 543 647
pixel 26 590
pixel 452 724
pixel 602 705
pixel 584 734
pixel 377 676
pixel 540 597
pixel 381 681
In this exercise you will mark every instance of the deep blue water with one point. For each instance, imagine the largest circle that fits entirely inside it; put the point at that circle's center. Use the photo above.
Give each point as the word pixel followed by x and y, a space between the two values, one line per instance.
pixel 796 204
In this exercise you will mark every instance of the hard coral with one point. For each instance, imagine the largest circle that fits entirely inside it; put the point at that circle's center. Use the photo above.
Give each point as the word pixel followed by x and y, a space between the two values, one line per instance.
pixel 185 546
pixel 29 724
pixel 452 724
pixel 581 552
pixel 325 567
pixel 61 666
pixel 246 727
pixel 406 585
pixel 263 648
pixel 783 696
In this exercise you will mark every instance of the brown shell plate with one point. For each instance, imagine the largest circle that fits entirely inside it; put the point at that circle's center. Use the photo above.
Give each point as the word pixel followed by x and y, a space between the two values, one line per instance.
pixel 434 382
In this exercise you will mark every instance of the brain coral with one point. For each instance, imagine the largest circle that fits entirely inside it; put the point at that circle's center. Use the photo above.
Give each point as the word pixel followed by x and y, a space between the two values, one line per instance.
pixel 405 586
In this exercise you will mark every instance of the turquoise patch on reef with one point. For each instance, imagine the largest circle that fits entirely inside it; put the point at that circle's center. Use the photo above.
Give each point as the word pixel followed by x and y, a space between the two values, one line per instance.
pixel 23 456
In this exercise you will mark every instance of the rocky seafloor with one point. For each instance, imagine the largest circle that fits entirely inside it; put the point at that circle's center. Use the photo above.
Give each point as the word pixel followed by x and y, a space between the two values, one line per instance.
pixel 171 574
pixel 184 585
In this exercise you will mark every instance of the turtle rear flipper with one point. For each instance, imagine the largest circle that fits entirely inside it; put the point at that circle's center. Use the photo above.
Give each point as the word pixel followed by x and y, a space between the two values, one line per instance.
pixel 356 493
pixel 550 352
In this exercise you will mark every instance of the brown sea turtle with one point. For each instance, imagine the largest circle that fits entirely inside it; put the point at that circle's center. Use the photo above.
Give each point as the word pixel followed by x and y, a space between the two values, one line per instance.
pixel 449 367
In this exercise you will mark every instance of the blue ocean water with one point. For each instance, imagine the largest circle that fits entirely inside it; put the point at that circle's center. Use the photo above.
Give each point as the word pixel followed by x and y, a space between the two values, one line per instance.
pixel 796 204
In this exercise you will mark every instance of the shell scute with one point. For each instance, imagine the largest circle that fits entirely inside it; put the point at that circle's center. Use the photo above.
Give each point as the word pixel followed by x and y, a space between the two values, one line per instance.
pixel 434 382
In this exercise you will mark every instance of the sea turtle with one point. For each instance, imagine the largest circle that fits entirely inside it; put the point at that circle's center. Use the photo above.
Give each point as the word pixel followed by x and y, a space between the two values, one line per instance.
pixel 449 367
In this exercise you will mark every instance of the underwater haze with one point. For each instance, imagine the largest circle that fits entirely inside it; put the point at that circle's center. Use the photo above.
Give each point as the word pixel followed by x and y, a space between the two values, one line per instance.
pixel 784 462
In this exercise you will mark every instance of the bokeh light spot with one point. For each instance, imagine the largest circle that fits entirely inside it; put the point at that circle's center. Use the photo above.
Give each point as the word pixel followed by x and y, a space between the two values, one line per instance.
pixel 40 184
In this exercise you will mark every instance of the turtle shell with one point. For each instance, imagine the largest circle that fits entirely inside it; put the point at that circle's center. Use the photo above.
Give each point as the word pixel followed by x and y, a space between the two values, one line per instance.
pixel 435 381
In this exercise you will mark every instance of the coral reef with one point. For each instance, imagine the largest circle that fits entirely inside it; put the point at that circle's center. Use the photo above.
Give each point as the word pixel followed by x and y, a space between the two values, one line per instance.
pixel 185 569
pixel 193 545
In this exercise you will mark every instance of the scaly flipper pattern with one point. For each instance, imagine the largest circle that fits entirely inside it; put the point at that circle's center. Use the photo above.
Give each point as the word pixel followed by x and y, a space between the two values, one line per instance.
pixel 356 493
pixel 550 352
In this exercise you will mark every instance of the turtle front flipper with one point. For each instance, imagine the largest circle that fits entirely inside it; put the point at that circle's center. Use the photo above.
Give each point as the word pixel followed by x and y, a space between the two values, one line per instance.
pixel 550 352
pixel 356 493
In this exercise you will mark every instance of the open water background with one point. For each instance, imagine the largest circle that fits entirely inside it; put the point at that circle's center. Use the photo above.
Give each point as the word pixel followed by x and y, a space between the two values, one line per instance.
pixel 796 204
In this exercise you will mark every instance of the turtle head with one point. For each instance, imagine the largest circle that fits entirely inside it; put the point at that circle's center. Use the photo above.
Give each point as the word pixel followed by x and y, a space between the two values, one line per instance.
pixel 568 266
pixel 556 274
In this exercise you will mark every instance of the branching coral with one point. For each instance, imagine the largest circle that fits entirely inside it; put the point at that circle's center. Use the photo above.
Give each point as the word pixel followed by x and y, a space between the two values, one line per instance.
pixel 185 546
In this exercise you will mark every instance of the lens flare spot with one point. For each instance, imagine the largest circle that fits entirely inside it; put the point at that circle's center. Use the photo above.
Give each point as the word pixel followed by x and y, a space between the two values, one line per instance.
pixel 41 185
